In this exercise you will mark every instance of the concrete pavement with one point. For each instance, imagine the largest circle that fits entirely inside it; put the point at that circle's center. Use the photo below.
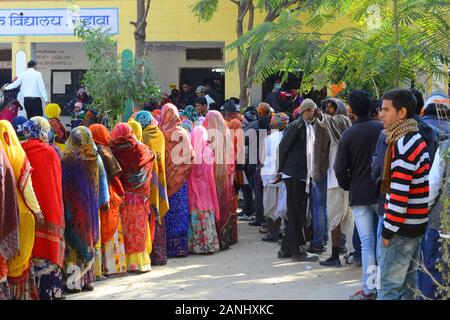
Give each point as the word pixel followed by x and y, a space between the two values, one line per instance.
pixel 248 270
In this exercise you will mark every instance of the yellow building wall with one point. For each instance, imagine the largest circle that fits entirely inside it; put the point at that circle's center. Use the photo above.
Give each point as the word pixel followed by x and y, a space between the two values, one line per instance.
pixel 169 20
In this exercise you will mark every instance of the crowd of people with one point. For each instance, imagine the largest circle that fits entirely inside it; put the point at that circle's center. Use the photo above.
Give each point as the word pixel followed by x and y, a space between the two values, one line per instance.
pixel 81 206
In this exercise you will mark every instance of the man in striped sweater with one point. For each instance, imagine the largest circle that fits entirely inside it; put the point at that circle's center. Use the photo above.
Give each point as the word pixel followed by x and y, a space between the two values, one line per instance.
pixel 405 181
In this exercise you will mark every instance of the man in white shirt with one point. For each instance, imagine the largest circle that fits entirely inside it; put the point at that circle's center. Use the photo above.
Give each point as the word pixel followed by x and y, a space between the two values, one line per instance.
pixel 202 92
pixel 32 88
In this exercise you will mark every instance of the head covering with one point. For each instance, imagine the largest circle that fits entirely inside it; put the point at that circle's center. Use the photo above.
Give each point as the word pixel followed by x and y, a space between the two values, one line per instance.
pixel 187 125
pixel 276 86
pixel 52 110
pixel 137 129
pixel 230 106
pixel 437 103
pixel 17 124
pixel 237 134
pixel 37 128
pixel 191 113
pixel 201 183
pixel 263 109
pixel 251 115
pixel 100 134
pixel 341 109
pixel 136 159
pixel 307 104
pixel 201 89
pixel 279 121
pixel 144 118
pixel 176 169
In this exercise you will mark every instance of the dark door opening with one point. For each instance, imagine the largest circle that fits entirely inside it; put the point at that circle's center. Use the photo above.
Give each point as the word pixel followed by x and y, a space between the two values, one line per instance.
pixel 63 99
pixel 5 76
pixel 206 76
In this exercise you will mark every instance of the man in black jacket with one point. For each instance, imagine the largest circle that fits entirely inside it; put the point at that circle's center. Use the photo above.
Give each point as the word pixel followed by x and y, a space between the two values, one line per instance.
pixel 295 169
pixel 353 172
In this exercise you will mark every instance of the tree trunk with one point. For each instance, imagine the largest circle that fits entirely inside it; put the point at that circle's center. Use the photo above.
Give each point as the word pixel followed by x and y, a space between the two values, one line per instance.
pixel 242 63
pixel 397 43
pixel 140 36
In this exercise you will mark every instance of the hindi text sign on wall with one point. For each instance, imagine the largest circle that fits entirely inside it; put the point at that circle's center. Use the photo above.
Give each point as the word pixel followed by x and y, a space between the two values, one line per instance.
pixel 47 22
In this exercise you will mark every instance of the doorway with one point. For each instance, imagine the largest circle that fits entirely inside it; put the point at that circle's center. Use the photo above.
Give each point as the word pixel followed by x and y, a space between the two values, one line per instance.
pixel 214 77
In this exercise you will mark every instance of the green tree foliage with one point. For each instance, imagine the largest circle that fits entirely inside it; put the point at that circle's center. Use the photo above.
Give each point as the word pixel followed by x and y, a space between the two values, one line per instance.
pixel 391 42
pixel 107 82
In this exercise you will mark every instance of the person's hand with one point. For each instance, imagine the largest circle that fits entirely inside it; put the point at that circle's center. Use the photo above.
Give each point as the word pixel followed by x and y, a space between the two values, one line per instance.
pixel 317 114
pixel 277 179
pixel 105 207
pixel 386 242
pixel 40 220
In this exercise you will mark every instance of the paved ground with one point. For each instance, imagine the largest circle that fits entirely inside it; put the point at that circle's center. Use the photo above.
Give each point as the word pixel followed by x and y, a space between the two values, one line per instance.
pixel 249 270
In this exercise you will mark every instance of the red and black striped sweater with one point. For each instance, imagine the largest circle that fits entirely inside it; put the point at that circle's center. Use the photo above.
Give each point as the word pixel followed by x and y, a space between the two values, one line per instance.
pixel 406 208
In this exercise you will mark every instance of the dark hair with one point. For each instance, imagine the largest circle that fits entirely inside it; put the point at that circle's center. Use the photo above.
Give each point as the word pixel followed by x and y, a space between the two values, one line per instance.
pixel 402 98
pixel 419 98
pixel 187 82
pixel 359 101
pixel 201 100
pixel 333 103
pixel 32 64
pixel 214 106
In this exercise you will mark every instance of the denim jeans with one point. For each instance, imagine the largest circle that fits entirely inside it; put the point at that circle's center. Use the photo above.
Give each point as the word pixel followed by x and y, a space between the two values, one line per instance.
pixel 319 194
pixel 365 224
pixel 379 230
pixel 398 268
pixel 430 252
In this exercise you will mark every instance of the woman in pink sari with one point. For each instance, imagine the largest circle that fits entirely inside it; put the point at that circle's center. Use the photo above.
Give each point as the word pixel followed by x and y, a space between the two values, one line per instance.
pixel 222 146
pixel 202 196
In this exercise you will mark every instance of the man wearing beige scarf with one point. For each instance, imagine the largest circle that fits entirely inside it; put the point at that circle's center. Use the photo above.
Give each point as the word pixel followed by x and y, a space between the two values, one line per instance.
pixel 405 181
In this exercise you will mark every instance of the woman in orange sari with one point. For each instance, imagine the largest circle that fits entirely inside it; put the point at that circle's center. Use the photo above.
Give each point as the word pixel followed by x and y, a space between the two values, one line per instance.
pixel 111 235
pixel 222 147
pixel 19 272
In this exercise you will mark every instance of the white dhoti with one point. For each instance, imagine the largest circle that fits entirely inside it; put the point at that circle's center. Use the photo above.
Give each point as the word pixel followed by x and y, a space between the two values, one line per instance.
pixel 340 214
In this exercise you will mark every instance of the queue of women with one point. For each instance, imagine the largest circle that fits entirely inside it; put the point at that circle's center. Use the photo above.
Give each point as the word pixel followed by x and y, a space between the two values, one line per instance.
pixel 81 206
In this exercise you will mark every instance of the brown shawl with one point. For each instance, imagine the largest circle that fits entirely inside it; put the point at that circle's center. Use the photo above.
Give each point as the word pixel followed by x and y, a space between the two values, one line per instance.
pixel 393 134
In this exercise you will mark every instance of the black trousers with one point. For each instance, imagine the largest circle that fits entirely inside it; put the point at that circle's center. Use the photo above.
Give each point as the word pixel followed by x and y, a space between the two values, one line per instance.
pixel 296 213
pixel 33 107
pixel 259 192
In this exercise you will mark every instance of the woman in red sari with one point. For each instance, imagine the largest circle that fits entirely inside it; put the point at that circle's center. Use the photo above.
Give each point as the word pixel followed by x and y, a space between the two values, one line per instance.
pixel 48 251
pixel 136 161
pixel 222 147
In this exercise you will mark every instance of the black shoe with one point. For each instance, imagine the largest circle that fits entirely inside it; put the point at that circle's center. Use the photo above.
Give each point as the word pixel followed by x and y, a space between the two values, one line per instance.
pixel 244 213
pixel 305 257
pixel 255 223
pixel 316 250
pixel 247 218
pixel 330 262
pixel 270 237
pixel 283 255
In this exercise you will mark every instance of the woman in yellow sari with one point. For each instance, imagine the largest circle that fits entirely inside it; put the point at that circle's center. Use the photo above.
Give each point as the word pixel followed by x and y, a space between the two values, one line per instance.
pixel 19 271
pixel 159 201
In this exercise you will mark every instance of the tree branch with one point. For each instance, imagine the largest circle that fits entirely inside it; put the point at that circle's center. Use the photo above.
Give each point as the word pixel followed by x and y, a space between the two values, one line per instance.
pixel 236 2
pixel 144 17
